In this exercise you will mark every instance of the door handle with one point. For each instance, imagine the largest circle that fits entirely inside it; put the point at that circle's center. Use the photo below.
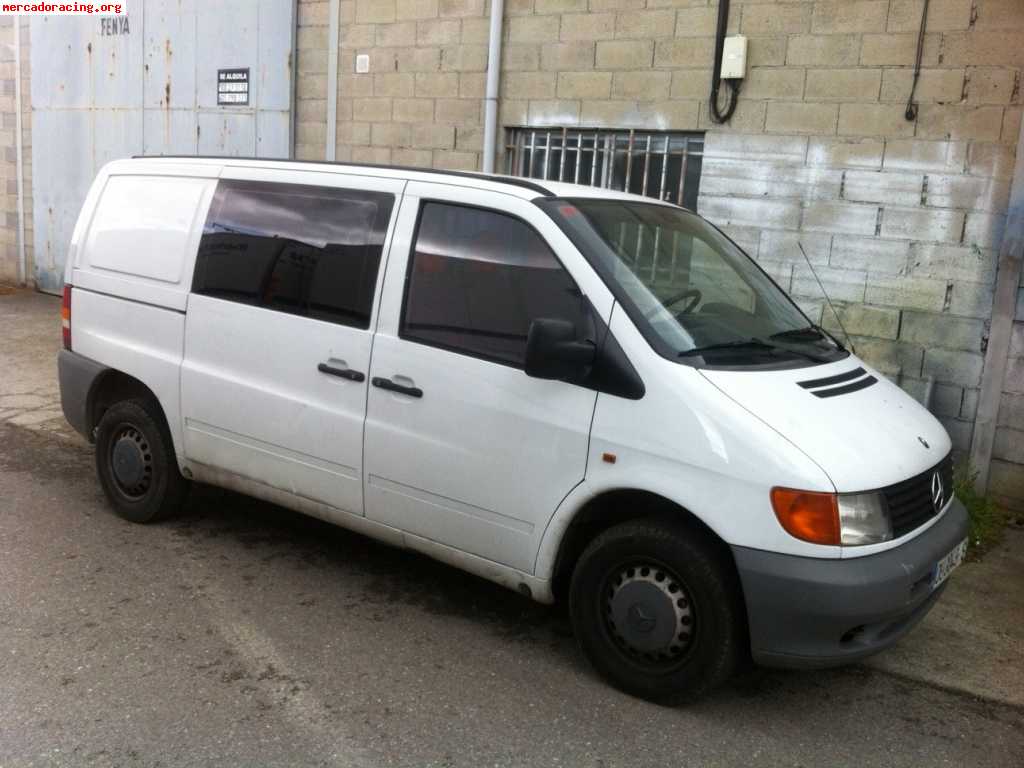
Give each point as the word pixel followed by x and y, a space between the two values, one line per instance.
pixel 344 373
pixel 391 386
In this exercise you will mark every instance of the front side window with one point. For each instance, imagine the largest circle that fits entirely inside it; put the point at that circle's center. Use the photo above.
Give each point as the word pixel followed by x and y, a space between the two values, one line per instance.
pixel 478 278
pixel 692 293
pixel 304 250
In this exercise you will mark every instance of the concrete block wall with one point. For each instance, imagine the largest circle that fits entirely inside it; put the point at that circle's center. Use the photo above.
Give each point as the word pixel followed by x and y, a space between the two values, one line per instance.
pixel 1007 472
pixel 421 102
pixel 909 265
pixel 902 219
pixel 8 160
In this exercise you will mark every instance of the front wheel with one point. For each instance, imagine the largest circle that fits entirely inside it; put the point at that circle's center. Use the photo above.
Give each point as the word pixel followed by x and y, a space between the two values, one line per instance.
pixel 657 611
pixel 135 462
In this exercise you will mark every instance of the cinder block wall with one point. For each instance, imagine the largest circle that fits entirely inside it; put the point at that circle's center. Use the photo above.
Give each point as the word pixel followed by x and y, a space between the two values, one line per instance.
pixel 8 160
pixel 1007 481
pixel 903 220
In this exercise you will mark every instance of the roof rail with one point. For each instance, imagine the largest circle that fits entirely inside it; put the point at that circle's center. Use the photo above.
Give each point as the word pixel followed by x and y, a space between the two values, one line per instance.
pixel 498 179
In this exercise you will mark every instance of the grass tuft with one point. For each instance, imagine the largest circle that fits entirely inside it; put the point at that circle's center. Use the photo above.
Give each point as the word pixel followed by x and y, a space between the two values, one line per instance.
pixel 987 519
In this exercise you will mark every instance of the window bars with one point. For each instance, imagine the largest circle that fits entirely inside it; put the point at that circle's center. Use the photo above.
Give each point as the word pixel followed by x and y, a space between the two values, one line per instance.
pixel 658 164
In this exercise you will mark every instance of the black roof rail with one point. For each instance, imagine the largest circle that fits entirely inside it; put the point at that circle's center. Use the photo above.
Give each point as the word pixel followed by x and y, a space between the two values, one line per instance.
pixel 511 180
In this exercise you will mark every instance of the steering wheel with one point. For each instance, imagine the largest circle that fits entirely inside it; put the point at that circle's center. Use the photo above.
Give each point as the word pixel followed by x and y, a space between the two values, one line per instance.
pixel 692 294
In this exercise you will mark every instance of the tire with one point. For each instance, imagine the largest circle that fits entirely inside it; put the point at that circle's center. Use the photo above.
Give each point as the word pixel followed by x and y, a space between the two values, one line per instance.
pixel 657 611
pixel 143 482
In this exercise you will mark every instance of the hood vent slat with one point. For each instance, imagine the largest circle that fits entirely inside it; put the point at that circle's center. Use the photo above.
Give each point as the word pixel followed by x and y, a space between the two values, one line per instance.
pixel 861 384
pixel 826 387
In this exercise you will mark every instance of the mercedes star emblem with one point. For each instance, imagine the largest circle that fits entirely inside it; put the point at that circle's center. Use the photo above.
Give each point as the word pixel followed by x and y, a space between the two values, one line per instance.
pixel 937 491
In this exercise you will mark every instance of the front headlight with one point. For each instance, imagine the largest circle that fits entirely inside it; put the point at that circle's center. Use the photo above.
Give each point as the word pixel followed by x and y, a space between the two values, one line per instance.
pixel 863 519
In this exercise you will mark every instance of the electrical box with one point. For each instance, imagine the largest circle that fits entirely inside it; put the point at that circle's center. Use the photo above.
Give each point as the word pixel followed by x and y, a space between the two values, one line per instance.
pixel 734 58
pixel 362 64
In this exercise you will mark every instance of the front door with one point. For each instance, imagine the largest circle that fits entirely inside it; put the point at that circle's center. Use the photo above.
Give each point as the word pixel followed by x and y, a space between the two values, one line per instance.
pixel 462 447
pixel 277 338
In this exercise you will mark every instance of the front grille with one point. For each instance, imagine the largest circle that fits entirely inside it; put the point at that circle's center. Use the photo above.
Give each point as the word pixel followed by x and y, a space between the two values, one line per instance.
pixel 912 503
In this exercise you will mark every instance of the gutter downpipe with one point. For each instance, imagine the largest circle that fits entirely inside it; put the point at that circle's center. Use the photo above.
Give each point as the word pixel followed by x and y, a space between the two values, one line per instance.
pixel 333 34
pixel 493 77
pixel 293 105
pixel 20 169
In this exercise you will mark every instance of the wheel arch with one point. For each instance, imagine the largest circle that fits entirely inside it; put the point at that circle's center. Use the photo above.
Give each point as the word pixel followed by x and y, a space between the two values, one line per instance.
pixel 613 506
pixel 113 386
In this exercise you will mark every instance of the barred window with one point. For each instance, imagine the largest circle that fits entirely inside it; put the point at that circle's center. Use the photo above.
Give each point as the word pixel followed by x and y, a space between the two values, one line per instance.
pixel 661 164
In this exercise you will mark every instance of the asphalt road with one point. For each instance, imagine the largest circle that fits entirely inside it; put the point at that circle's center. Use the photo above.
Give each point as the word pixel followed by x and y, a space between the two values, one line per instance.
pixel 243 634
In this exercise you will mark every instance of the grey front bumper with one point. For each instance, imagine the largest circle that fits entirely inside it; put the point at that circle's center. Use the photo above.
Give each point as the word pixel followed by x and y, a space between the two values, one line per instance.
pixel 809 612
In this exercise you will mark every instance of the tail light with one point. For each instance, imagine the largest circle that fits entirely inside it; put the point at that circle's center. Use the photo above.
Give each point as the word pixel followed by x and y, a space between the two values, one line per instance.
pixel 65 316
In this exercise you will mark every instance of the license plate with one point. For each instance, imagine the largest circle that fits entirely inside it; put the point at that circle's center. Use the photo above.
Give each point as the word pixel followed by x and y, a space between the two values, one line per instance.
pixel 948 564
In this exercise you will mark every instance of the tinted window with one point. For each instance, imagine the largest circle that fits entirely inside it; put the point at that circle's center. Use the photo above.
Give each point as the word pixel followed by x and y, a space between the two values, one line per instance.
pixel 478 278
pixel 305 250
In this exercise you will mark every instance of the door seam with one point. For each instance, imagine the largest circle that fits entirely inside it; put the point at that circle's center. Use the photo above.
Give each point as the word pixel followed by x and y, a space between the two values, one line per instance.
pixel 386 261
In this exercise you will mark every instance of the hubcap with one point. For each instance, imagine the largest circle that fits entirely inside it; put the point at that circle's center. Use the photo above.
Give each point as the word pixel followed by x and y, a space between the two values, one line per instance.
pixel 132 463
pixel 649 613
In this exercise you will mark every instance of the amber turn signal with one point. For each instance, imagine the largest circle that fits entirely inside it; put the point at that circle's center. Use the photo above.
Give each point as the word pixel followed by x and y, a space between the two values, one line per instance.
pixel 808 515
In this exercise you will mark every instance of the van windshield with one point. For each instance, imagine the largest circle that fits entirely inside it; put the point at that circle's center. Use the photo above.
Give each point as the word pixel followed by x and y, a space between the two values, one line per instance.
pixel 692 292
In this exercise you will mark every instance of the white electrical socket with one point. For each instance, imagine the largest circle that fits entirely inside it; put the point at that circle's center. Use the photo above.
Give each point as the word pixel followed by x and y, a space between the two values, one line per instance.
pixel 734 58
pixel 362 63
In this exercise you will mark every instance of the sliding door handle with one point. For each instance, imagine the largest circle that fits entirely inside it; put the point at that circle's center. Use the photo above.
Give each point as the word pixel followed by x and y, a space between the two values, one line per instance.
pixel 391 386
pixel 344 373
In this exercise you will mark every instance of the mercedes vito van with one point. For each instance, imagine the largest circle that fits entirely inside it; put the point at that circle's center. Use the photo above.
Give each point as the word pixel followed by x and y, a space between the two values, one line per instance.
pixel 579 394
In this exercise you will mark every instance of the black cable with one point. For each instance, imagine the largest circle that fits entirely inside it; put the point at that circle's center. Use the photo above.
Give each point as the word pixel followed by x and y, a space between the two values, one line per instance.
pixel 716 73
pixel 911 113
pixel 716 114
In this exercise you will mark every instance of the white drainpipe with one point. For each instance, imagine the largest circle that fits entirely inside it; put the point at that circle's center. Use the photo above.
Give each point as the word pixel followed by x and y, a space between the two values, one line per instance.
pixel 491 95
pixel 333 35
pixel 19 168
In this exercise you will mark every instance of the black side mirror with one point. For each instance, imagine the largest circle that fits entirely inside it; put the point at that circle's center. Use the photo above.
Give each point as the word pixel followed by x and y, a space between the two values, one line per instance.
pixel 554 352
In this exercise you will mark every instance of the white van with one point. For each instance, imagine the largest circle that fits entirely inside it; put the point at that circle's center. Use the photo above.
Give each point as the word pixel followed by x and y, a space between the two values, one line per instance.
pixel 579 394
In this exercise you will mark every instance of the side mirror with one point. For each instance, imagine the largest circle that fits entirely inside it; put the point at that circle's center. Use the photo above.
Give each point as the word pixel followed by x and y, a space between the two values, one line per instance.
pixel 553 351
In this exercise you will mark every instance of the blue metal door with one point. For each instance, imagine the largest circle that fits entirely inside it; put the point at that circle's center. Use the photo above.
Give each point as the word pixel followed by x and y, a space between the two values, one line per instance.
pixel 147 83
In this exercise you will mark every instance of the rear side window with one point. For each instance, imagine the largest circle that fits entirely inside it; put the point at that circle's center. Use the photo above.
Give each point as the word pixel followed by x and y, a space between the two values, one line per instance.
pixel 478 278
pixel 304 250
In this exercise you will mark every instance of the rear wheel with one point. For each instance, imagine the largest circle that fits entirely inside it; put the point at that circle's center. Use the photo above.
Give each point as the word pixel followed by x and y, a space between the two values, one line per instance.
pixel 135 462
pixel 656 611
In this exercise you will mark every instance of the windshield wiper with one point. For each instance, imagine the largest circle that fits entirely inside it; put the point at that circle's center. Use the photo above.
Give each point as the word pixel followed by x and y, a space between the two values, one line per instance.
pixel 755 343
pixel 816 330
pixel 794 332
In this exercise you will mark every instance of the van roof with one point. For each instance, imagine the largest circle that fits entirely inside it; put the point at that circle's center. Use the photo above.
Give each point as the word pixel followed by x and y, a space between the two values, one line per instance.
pixel 525 188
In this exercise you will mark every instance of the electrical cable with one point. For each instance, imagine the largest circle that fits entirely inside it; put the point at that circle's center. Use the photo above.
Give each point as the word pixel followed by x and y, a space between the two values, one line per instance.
pixel 717 114
pixel 911 113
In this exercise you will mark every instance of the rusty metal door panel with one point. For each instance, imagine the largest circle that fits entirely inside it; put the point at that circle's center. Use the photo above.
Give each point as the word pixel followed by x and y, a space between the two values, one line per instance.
pixel 147 83
pixel 114 62
pixel 231 32
pixel 227 134
pixel 272 133
pixel 118 133
pixel 170 68
pixel 60 66
pixel 272 77
pixel 169 132
pixel 62 175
